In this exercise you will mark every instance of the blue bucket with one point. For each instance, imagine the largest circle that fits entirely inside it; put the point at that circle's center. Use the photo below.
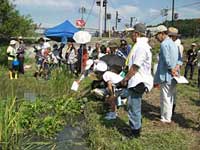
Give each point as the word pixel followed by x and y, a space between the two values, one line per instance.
pixel 15 63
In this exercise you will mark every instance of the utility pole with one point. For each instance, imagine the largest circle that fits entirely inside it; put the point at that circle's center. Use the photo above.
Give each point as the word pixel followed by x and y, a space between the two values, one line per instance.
pixel 131 22
pixel 116 20
pixel 172 12
pixel 82 10
pixel 101 18
pixel 105 23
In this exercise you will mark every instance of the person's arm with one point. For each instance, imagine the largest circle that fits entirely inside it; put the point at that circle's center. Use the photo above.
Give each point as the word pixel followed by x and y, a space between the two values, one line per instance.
pixel 165 51
pixel 8 54
pixel 132 71
pixel 110 89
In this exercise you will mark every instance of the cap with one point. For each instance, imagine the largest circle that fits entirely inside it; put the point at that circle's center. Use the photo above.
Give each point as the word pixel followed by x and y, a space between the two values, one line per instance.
pixel 173 31
pixel 12 42
pixel 139 27
pixel 160 28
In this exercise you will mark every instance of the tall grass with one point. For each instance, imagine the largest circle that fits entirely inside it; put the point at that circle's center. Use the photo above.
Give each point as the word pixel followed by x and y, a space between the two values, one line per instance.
pixel 9 127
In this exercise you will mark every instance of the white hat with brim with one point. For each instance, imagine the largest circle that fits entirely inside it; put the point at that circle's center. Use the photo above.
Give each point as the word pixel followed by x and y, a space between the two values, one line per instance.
pixel 194 44
pixel 101 66
pixel 13 42
pixel 160 29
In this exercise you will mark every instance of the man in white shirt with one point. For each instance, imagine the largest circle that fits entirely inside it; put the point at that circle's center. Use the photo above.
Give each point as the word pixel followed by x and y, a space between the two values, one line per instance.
pixel 139 76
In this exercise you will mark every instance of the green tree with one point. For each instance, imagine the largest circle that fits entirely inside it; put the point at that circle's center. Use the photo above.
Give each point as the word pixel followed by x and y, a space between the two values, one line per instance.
pixel 12 23
pixel 187 27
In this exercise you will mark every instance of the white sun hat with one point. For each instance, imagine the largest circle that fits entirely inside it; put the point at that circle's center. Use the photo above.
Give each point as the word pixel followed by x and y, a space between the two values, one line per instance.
pixel 13 42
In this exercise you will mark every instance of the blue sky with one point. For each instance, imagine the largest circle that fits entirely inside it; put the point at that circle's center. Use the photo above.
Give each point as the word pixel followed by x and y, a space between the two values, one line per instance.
pixel 52 12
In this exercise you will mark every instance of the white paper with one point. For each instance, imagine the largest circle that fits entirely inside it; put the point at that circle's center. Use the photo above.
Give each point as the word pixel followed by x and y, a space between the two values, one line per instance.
pixel 181 79
pixel 75 86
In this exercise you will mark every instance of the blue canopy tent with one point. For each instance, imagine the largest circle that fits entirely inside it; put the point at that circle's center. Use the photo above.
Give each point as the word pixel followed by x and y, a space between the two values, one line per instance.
pixel 62 32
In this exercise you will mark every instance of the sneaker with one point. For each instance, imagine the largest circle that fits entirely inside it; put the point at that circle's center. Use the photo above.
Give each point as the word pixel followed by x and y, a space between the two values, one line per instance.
pixel 98 92
pixel 136 133
pixel 111 116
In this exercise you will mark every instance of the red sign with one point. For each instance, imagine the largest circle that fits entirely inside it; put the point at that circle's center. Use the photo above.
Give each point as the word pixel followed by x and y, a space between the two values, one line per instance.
pixel 80 23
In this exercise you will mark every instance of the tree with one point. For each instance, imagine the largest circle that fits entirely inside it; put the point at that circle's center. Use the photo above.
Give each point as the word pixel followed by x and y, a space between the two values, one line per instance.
pixel 186 27
pixel 12 23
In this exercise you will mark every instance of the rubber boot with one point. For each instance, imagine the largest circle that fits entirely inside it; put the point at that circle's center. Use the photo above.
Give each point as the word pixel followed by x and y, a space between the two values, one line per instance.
pixel 16 75
pixel 10 75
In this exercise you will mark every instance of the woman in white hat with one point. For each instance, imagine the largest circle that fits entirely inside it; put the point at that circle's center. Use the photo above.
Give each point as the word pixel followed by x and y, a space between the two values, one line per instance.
pixel 11 53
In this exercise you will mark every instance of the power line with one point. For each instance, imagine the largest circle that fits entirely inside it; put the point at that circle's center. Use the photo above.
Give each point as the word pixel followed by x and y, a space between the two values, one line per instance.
pixel 89 14
pixel 188 5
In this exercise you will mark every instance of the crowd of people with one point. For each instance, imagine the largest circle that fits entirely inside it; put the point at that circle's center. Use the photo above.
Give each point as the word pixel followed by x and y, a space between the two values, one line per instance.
pixel 135 76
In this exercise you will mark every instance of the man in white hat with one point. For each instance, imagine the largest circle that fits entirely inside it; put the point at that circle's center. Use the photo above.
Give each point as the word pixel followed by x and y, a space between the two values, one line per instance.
pixel 167 68
pixel 191 60
pixel 11 53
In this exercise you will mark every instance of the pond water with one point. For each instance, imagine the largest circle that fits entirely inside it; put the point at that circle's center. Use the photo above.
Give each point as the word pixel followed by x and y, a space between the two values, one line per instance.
pixel 30 96
pixel 71 138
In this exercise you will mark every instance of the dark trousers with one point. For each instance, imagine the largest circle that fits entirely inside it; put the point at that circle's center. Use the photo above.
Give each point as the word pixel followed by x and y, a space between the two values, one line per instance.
pixel 21 65
pixel 199 77
pixel 188 67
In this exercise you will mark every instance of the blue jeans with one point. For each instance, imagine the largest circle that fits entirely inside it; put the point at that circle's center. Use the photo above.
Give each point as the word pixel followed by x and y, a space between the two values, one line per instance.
pixel 134 110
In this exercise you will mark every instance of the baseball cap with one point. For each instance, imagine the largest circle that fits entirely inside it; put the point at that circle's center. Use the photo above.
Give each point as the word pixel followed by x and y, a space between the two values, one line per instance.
pixel 139 27
pixel 159 29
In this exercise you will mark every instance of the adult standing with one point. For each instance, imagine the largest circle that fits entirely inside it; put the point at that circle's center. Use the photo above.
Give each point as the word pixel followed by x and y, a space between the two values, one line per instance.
pixel 168 66
pixel 96 52
pixel 191 61
pixel 20 54
pixel 72 57
pixel 139 76
pixel 124 49
pixel 198 61
pixel 173 34
pixel 84 58
pixel 79 56
pixel 11 53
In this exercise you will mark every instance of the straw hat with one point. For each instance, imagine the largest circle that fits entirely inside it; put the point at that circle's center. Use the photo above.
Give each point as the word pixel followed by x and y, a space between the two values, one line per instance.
pixel 173 31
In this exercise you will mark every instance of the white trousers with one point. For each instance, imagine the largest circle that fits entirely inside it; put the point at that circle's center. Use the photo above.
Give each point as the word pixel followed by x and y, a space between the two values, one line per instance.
pixel 167 93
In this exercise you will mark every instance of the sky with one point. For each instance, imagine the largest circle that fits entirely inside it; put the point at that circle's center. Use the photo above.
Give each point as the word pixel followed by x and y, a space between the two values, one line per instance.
pixel 49 13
